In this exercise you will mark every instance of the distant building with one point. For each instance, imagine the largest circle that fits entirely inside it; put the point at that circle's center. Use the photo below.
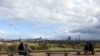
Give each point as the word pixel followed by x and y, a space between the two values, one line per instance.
pixel 69 38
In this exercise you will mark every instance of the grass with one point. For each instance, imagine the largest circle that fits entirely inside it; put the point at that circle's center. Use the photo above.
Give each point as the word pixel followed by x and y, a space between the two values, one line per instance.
pixel 97 48
pixel 59 48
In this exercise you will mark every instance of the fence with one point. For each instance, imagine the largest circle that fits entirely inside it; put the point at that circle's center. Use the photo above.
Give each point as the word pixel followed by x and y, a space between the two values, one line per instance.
pixel 12 53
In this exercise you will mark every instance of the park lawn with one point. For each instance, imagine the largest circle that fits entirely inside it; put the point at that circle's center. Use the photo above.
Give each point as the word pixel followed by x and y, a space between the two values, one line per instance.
pixel 59 48
pixel 97 48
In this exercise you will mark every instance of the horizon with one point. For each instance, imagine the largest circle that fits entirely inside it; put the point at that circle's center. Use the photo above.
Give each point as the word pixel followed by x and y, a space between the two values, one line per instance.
pixel 50 19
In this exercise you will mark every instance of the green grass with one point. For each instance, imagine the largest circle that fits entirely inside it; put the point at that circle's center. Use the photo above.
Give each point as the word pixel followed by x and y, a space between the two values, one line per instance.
pixel 97 48
pixel 58 48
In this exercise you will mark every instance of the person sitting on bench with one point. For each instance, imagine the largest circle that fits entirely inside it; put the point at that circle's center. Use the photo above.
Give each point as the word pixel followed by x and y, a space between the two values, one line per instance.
pixel 89 48
pixel 23 48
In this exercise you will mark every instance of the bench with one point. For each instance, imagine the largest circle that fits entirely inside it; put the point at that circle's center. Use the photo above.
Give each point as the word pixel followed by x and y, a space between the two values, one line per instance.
pixel 49 53
pixel 12 53
pixel 9 54
pixel 79 52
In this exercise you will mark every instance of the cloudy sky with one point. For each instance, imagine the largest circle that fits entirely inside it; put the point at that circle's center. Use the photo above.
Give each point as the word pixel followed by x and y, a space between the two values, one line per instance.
pixel 50 19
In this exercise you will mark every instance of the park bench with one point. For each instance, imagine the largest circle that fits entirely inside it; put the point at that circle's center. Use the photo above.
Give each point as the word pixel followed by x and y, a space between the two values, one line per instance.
pixel 12 53
pixel 79 52
pixel 16 53
pixel 49 53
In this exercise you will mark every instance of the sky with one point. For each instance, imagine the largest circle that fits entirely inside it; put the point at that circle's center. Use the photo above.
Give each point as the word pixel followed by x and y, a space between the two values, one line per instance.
pixel 50 19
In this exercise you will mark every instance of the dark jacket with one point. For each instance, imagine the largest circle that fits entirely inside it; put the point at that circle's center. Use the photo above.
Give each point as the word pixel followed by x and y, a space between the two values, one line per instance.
pixel 21 49
pixel 89 47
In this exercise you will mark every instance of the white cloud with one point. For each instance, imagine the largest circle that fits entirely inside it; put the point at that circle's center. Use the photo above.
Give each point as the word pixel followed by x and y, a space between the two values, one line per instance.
pixel 2 32
pixel 77 13
pixel 47 10
pixel 8 35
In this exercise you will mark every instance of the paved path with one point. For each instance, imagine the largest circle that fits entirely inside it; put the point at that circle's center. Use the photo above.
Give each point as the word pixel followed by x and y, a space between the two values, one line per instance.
pixel 71 54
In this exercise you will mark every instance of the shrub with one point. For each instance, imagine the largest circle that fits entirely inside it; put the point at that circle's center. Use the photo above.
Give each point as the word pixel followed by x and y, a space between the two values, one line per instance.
pixel 4 46
pixel 97 45
pixel 1 47
pixel 13 47
pixel 40 46
pixel 32 47
pixel 77 46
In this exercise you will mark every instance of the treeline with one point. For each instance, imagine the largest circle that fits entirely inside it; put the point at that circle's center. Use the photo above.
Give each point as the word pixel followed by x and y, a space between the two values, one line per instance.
pixel 45 45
